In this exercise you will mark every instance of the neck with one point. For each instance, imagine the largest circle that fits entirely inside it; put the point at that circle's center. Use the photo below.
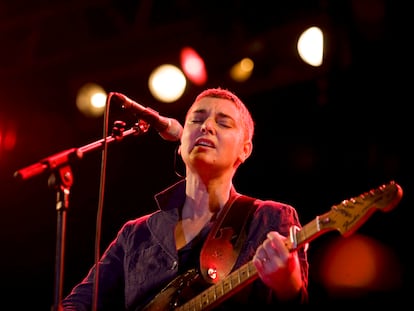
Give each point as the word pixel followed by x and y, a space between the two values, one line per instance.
pixel 205 198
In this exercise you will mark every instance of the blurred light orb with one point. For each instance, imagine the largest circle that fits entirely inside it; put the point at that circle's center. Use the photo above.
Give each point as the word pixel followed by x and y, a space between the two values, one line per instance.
pixel 167 83
pixel 357 266
pixel 193 66
pixel 91 100
pixel 8 135
pixel 310 46
pixel 98 100
pixel 242 70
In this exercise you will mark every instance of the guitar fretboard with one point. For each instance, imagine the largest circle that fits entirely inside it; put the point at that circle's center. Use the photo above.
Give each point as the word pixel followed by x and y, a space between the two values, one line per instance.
pixel 216 293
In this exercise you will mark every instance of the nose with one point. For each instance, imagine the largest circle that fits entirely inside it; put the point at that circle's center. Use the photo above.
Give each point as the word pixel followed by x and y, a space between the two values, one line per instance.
pixel 207 125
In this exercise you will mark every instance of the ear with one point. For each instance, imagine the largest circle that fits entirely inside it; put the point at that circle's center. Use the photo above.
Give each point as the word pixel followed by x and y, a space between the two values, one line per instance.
pixel 247 151
pixel 179 150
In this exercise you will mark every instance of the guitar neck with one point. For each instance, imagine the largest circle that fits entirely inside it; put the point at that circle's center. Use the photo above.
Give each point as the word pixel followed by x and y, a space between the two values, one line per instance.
pixel 345 217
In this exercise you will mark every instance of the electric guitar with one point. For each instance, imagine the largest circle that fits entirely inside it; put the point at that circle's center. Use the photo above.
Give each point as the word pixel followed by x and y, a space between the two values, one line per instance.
pixel 345 217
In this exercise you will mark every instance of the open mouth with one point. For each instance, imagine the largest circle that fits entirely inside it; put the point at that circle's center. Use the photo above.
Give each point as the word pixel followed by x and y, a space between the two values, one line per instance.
pixel 204 142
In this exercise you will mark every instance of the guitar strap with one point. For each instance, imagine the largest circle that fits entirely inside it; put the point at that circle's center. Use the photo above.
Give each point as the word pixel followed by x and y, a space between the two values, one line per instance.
pixel 225 239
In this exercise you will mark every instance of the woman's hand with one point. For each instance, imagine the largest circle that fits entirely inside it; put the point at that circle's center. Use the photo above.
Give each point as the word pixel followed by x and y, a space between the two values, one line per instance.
pixel 278 267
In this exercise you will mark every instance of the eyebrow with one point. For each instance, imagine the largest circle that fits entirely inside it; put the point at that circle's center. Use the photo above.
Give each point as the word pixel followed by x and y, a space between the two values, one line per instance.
pixel 201 110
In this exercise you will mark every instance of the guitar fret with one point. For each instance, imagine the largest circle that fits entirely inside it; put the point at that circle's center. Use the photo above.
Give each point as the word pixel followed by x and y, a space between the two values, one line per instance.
pixel 234 280
pixel 211 295
pixel 203 300
pixel 226 285
pixel 197 304
pixel 219 290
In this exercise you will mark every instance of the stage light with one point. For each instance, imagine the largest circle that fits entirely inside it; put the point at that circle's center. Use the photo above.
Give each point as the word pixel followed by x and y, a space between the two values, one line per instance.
pixel 91 100
pixel 310 46
pixel 242 70
pixel 167 83
pixel 8 136
pixel 193 66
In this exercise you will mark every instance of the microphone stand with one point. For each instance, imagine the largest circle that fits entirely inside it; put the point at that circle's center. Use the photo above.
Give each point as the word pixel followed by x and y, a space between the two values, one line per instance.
pixel 61 179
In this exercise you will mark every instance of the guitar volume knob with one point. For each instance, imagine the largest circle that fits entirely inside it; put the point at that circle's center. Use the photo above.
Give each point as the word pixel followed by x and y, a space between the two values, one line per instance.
pixel 212 273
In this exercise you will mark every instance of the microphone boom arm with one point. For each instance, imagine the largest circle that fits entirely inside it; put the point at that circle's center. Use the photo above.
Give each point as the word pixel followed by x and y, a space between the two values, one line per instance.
pixel 62 158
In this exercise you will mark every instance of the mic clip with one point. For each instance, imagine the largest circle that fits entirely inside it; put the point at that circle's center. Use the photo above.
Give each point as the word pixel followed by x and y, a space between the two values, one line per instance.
pixel 119 126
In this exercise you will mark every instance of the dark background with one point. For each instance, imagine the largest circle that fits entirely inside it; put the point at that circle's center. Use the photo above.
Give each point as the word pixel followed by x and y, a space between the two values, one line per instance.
pixel 323 135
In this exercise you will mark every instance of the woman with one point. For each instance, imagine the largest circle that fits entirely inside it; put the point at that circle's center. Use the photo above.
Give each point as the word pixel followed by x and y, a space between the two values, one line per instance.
pixel 152 253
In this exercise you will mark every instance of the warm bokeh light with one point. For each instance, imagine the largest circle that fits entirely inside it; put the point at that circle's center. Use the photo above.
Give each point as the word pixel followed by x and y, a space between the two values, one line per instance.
pixel 242 70
pixel 193 66
pixel 91 100
pixel 357 265
pixel 8 136
pixel 167 83
pixel 310 46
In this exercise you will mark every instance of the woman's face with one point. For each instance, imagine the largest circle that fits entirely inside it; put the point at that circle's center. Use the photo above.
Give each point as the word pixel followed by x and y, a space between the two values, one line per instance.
pixel 213 136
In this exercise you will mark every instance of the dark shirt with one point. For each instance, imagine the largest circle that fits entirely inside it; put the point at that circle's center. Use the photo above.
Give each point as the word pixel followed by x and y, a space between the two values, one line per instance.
pixel 143 260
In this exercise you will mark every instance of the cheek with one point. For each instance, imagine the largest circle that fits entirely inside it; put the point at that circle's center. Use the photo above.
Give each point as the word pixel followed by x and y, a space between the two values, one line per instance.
pixel 239 150
pixel 235 143
pixel 184 147
pixel 186 138
pixel 186 134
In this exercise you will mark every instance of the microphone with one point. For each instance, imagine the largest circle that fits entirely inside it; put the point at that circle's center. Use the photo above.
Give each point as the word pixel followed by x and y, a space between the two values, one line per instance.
pixel 168 128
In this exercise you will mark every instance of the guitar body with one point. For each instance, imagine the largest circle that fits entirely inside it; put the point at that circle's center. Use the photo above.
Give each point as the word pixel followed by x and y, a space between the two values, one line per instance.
pixel 177 292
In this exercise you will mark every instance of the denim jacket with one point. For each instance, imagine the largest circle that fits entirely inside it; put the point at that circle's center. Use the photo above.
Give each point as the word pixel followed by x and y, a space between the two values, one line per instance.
pixel 142 259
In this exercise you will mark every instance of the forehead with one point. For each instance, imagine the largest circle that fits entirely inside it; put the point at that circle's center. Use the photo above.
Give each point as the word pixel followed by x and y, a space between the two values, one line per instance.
pixel 215 105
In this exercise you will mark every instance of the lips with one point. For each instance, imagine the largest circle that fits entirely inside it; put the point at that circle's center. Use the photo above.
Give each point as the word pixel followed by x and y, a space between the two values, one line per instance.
pixel 204 142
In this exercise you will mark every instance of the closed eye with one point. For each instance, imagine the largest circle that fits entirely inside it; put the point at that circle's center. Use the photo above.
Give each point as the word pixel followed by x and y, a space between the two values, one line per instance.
pixel 225 124
pixel 195 121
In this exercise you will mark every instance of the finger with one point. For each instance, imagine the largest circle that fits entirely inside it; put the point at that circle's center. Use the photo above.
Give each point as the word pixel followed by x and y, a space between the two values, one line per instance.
pixel 259 264
pixel 276 239
pixel 277 245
